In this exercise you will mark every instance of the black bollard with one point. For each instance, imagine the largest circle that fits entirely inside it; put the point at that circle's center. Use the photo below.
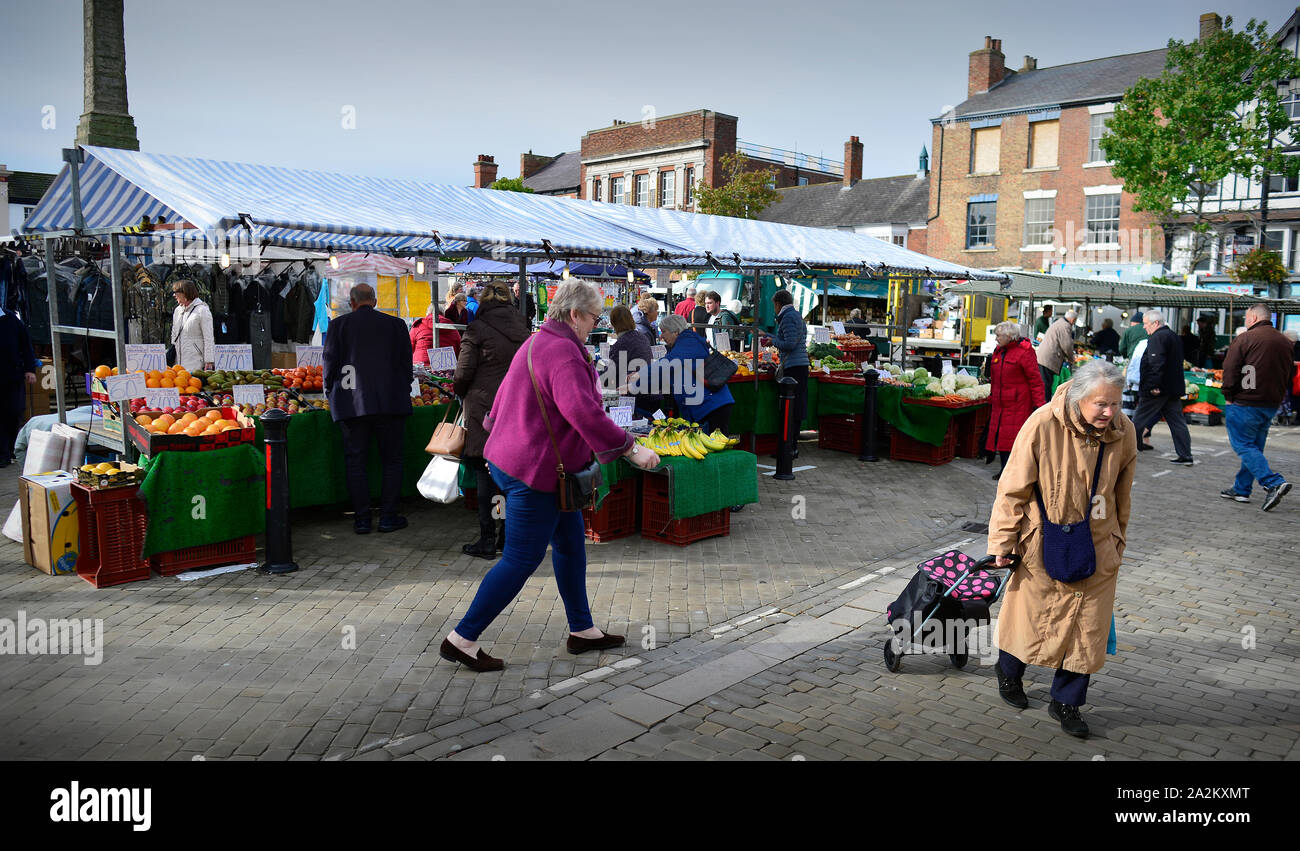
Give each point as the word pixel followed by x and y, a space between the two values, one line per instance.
pixel 868 452
pixel 279 545
pixel 789 429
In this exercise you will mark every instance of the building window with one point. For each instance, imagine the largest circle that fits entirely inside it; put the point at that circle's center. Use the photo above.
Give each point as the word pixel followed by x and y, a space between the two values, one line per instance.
pixel 595 190
pixel 27 214
pixel 1273 242
pixel 1102 218
pixel 1043 136
pixel 1291 103
pixel 1040 218
pixel 618 190
pixel 803 181
pixel 898 240
pixel 1096 130
pixel 981 223
pixel 1279 184
pixel 984 145
pixel 667 188
pixel 689 188
pixel 642 197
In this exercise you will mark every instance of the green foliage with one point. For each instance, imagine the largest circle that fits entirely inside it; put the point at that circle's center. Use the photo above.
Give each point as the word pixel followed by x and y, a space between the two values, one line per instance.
pixel 1163 281
pixel 1214 111
pixel 1259 266
pixel 510 184
pixel 744 194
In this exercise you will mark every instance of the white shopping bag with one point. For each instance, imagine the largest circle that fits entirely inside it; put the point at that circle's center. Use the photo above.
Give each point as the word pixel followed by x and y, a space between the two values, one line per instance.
pixel 439 482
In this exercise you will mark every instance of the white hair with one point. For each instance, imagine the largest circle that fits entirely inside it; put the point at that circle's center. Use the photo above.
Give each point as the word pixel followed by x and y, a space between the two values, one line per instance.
pixel 1088 377
pixel 1010 330
pixel 574 295
pixel 673 323
pixel 1071 315
pixel 1154 316
pixel 1259 311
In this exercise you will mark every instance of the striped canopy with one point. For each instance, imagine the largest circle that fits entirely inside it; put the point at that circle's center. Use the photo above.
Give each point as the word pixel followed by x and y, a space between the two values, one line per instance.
pixel 299 208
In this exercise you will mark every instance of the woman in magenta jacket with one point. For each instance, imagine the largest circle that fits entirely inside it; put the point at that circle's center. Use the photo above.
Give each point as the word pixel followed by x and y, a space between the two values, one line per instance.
pixel 522 463
pixel 1017 389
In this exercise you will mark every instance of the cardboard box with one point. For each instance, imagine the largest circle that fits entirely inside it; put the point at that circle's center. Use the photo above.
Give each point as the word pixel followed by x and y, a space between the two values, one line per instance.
pixel 926 334
pixel 49 513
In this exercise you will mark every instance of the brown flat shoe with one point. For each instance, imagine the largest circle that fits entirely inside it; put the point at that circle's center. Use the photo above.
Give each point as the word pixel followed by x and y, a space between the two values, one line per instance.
pixel 482 664
pixel 605 642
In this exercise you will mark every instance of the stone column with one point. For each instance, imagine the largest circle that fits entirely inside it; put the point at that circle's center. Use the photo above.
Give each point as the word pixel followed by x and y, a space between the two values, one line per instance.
pixel 106 121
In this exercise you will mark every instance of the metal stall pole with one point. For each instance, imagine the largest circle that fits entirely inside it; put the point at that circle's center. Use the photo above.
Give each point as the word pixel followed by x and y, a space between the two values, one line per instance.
pixel 523 292
pixel 433 288
pixel 754 347
pixel 119 335
pixel 52 296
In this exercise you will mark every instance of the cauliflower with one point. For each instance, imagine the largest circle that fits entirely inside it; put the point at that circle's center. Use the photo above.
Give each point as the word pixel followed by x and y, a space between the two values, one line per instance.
pixel 949 383
pixel 964 380
pixel 935 387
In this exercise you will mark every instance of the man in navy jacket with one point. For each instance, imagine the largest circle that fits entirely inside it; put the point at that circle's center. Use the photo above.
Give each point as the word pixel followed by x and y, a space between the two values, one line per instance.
pixel 368 374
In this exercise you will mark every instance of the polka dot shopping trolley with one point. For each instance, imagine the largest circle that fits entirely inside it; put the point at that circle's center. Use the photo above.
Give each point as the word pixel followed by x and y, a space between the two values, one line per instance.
pixel 950 595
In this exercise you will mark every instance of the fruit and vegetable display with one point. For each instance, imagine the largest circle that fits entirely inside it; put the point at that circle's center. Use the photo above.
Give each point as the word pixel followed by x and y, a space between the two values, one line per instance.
pixel 954 385
pixel 836 365
pixel 433 392
pixel 818 351
pixel 1190 390
pixel 1202 408
pixel 679 437
pixel 186 384
pixel 223 381
pixel 850 341
pixel 190 424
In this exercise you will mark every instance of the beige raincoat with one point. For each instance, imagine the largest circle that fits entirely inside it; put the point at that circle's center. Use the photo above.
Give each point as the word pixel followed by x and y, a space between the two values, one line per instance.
pixel 1042 621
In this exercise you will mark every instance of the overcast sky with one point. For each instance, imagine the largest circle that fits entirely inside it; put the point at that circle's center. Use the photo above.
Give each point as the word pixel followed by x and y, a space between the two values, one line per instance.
pixel 434 84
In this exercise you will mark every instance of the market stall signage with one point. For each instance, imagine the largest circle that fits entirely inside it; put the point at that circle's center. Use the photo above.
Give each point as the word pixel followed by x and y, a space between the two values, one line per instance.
pixel 123 388
pixel 659 351
pixel 721 340
pixel 838 327
pixel 146 356
pixel 442 359
pixel 627 401
pixel 604 351
pixel 249 394
pixel 415 387
pixel 311 355
pixel 622 415
pixel 234 356
pixel 821 334
pixel 157 398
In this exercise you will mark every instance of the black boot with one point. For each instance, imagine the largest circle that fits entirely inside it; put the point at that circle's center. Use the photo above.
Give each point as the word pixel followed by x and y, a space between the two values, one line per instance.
pixel 501 536
pixel 1011 689
pixel 1069 717
pixel 483 547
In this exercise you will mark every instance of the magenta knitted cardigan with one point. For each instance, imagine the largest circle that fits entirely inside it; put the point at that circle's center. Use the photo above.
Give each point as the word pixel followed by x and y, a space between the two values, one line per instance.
pixel 517 440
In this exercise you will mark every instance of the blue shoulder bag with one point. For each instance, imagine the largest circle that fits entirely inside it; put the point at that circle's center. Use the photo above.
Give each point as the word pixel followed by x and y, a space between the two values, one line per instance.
pixel 1068 552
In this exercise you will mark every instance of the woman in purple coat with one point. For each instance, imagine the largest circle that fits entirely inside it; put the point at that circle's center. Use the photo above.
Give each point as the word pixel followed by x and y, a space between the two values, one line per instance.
pixel 522 462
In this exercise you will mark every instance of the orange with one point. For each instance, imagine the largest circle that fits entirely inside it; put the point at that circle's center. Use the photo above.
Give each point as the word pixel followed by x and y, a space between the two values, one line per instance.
pixel 102 372
pixel 176 428
pixel 214 415
pixel 155 375
pixel 114 371
pixel 189 418
pixel 166 382
pixel 232 426
pixel 143 419
pixel 165 419
pixel 151 383
pixel 196 383
pixel 169 373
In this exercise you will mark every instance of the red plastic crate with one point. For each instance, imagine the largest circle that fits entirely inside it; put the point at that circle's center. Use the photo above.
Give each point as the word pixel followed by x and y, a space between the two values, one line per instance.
pixel 904 448
pixel 970 428
pixel 236 551
pixel 657 522
pixel 859 354
pixel 617 516
pixel 841 432
pixel 767 443
pixel 111 524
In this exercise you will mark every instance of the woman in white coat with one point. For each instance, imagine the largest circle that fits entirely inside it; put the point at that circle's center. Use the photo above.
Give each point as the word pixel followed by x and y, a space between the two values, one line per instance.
pixel 192 328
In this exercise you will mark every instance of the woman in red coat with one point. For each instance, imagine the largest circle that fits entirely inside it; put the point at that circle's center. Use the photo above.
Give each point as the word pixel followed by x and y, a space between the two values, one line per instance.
pixel 1017 389
pixel 422 337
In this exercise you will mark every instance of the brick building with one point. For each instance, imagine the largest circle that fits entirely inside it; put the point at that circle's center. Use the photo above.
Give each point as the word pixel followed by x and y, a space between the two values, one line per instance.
pixel 1019 175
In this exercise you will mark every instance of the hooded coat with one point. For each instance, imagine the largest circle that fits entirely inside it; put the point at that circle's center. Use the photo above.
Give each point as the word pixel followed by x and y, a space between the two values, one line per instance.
pixel 488 347
pixel 1042 621
pixel 1017 390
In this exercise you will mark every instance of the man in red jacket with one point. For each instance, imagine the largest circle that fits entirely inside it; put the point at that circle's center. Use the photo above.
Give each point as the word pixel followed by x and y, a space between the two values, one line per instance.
pixel 1257 372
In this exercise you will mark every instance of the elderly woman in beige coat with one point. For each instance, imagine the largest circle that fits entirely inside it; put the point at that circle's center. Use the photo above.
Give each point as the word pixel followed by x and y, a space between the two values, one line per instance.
pixel 1043 621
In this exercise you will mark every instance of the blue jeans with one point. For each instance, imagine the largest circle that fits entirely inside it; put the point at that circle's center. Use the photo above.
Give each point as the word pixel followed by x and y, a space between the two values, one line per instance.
pixel 535 520
pixel 1247 431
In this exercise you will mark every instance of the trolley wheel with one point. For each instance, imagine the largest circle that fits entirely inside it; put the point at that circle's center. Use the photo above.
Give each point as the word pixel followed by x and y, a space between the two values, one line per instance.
pixel 893 661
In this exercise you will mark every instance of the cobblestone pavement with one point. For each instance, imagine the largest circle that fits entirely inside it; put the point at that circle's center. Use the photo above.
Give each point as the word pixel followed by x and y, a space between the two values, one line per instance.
pixel 762 645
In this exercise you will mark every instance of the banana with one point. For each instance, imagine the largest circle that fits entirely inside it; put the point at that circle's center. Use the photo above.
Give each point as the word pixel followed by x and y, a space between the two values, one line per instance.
pixel 715 442
pixel 693 448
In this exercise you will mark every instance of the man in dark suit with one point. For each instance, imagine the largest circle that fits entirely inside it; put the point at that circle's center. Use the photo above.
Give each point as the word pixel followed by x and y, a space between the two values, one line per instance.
pixel 1160 393
pixel 368 374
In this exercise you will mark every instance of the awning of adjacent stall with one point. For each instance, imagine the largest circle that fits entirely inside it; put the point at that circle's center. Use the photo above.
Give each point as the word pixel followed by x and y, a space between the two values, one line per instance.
pixel 1040 287
pixel 264 205
pixel 585 270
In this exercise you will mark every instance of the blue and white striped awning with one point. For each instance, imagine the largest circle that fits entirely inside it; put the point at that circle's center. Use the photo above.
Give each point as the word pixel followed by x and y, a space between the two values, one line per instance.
pixel 320 210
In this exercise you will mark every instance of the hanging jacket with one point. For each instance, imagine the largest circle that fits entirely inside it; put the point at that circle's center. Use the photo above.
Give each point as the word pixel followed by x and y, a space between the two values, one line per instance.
pixel 1017 391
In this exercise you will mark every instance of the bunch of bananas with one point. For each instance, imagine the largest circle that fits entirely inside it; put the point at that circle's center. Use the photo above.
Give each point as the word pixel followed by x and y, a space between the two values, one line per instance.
pixel 679 437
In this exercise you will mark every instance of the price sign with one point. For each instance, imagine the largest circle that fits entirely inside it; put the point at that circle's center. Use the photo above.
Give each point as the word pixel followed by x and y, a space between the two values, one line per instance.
pixel 442 359
pixel 249 394
pixel 604 351
pixel 721 340
pixel 124 388
pixel 627 401
pixel 622 416
pixel 826 369
pixel 837 327
pixel 234 356
pixel 311 355
pixel 659 414
pixel 156 399
pixel 659 351
pixel 415 387
pixel 821 334
pixel 145 356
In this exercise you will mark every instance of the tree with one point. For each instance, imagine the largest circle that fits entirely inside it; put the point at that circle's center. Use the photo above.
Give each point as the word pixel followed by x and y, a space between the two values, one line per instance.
pixel 1260 266
pixel 510 184
pixel 744 194
pixel 1215 111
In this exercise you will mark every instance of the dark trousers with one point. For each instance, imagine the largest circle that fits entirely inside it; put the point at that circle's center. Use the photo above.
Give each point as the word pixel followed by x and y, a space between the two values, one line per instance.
pixel 1067 687
pixel 1149 411
pixel 718 418
pixel 13 402
pixel 487 492
pixel 357 432
pixel 800 376
pixel 1048 378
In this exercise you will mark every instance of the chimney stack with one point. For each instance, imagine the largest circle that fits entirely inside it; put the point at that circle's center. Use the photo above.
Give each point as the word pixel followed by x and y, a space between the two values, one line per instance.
pixel 485 172
pixel 987 67
pixel 1211 23
pixel 1031 64
pixel 852 161
pixel 530 164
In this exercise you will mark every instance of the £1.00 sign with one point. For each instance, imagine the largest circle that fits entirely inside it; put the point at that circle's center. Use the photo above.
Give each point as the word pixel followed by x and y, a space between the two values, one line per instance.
pixel 442 359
